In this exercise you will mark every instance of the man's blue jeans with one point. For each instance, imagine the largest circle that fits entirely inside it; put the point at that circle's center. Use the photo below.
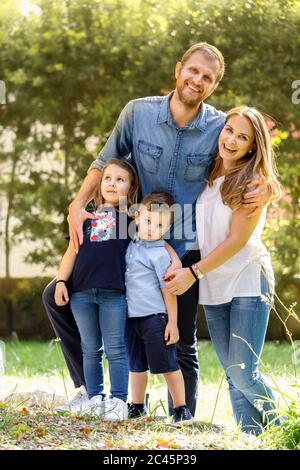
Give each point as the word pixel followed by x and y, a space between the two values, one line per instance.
pixel 100 315
pixel 252 398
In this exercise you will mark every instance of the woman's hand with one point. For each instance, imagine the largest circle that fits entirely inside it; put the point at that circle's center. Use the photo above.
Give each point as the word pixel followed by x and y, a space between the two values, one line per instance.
pixel 61 295
pixel 179 280
pixel 173 267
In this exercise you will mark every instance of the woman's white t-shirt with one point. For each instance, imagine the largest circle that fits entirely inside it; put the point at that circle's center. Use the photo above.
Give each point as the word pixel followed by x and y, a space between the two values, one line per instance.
pixel 240 276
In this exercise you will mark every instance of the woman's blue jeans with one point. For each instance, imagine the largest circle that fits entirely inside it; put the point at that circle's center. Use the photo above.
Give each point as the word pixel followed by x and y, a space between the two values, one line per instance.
pixel 100 315
pixel 252 398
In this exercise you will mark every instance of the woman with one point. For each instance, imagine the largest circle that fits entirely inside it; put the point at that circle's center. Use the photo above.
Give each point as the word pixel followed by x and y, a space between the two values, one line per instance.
pixel 235 271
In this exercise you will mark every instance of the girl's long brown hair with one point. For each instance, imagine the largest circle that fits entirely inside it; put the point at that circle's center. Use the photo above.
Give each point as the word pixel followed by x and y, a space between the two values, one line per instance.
pixel 259 163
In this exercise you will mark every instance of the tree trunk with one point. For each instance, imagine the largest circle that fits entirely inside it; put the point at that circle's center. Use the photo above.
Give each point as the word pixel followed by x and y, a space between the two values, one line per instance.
pixel 8 285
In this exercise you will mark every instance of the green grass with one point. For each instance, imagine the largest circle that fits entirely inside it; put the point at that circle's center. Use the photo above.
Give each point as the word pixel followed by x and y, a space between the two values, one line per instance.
pixel 40 365
pixel 32 365
pixel 31 358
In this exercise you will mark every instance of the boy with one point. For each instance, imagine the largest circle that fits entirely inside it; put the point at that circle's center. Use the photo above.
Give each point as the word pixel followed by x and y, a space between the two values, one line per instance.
pixel 152 331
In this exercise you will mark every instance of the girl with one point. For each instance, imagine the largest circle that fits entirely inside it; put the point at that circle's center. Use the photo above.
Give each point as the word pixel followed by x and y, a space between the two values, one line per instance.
pixel 235 272
pixel 96 280
pixel 95 277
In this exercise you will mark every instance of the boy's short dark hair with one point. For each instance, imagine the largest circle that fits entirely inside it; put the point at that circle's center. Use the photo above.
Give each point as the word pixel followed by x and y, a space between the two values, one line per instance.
pixel 159 200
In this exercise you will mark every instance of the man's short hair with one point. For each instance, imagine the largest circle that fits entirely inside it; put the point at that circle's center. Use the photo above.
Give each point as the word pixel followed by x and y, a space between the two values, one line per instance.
pixel 210 52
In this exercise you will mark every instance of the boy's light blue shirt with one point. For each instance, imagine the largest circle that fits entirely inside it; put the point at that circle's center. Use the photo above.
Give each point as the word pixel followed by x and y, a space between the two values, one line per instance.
pixel 168 158
pixel 147 263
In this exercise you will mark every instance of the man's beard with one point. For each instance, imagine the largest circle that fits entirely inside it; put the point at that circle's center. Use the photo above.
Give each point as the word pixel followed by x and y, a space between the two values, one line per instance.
pixel 188 101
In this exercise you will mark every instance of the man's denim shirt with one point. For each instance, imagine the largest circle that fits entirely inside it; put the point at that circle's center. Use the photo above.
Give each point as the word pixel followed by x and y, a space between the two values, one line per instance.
pixel 167 157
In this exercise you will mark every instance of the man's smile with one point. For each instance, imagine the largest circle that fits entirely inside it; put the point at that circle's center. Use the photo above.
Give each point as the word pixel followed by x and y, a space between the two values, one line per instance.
pixel 191 87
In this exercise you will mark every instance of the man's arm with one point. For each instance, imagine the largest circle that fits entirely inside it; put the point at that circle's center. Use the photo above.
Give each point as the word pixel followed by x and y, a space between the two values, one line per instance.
pixel 258 195
pixel 77 213
pixel 118 145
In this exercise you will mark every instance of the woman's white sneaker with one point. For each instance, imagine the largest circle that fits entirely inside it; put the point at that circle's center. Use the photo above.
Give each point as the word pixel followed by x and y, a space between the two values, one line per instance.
pixel 115 410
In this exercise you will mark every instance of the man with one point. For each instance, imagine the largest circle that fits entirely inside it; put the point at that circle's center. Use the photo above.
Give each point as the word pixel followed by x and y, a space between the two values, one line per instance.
pixel 172 140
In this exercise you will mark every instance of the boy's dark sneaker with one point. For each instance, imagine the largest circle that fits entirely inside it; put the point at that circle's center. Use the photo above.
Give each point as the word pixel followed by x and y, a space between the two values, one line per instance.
pixel 182 416
pixel 137 411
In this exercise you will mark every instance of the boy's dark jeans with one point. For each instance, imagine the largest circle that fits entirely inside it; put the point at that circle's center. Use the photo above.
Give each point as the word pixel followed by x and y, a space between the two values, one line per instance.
pixel 65 328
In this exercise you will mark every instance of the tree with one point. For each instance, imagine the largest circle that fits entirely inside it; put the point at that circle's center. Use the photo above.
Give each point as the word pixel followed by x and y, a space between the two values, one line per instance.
pixel 16 118
pixel 70 69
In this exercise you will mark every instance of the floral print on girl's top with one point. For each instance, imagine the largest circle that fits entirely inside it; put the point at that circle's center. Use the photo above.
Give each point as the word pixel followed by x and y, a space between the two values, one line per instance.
pixel 102 228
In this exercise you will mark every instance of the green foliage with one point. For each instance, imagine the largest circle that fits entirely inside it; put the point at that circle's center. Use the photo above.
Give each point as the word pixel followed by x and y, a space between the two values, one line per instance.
pixel 70 69
pixel 30 318
pixel 287 435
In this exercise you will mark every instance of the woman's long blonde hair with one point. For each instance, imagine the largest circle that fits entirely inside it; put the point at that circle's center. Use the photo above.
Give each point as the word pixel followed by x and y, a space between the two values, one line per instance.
pixel 259 163
pixel 133 193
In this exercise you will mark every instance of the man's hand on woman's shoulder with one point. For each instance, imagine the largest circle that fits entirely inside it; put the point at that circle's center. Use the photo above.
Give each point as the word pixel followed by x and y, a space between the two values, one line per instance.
pixel 257 196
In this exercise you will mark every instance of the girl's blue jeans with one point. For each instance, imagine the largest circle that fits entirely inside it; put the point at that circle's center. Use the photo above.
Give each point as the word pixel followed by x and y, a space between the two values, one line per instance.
pixel 252 398
pixel 100 315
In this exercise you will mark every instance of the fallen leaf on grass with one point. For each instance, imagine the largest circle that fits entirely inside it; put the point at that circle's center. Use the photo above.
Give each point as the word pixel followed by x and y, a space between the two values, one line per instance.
pixel 109 445
pixel 40 432
pixel 55 441
pixel 173 445
pixel 161 442
pixel 149 419
pixel 76 416
pixel 86 431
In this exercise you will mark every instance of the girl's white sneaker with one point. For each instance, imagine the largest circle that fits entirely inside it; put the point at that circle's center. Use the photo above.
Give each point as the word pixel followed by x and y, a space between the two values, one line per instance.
pixel 96 406
pixel 115 410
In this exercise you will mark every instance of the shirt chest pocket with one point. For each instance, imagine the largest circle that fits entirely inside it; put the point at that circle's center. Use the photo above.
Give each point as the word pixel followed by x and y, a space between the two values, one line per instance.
pixel 197 166
pixel 149 155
